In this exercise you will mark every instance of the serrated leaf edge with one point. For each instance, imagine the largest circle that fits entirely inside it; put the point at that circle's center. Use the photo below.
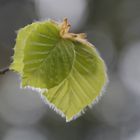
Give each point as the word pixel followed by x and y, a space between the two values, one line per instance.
pixel 95 101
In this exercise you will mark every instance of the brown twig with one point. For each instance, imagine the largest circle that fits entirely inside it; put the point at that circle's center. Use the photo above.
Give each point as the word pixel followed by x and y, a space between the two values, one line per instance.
pixel 3 71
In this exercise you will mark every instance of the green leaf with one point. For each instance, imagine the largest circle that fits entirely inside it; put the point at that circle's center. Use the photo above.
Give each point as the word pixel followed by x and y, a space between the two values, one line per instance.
pixel 82 86
pixel 66 68
pixel 46 59
pixel 23 34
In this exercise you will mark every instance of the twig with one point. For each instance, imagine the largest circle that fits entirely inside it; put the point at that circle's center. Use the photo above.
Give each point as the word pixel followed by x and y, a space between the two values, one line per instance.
pixel 3 71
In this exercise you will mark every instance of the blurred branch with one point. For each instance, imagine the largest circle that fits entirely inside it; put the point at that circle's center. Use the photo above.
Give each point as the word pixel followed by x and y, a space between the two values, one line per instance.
pixel 4 70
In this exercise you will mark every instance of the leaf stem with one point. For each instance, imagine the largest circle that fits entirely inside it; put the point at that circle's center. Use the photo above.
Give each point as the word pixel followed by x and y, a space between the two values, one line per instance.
pixel 4 70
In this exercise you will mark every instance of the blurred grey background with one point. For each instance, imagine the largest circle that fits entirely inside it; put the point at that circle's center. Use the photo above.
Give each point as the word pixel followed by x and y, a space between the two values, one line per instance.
pixel 113 26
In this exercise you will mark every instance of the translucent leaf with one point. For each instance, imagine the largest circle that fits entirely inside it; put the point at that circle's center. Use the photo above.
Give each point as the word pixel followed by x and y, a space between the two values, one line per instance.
pixel 64 66
pixel 82 86
pixel 43 58
pixel 23 34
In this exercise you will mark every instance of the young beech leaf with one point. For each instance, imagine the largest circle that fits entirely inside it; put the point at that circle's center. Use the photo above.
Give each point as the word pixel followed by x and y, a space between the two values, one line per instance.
pixel 23 34
pixel 83 84
pixel 64 66
pixel 45 57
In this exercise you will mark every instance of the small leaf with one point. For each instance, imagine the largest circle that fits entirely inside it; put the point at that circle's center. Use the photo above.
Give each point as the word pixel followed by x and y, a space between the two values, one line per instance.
pixel 82 86
pixel 23 34
pixel 45 58
pixel 64 66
